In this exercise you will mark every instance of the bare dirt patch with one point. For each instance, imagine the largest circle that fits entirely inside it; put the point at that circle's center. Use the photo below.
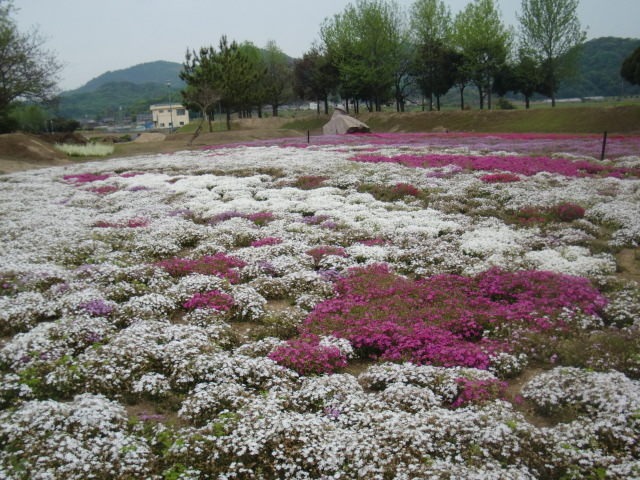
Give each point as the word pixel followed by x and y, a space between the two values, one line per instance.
pixel 21 151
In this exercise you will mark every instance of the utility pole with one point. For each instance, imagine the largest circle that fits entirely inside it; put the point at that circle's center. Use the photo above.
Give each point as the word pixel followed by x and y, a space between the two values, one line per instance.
pixel 170 109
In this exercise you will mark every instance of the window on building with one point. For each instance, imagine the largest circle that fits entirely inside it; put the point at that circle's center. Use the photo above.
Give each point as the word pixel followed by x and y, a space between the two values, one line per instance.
pixel 162 124
pixel 181 123
pixel 180 111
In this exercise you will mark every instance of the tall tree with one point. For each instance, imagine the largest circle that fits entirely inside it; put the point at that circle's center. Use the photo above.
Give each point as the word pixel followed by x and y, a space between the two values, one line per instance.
pixel 202 91
pixel 315 77
pixel 551 33
pixel 27 70
pixel 431 26
pixel 485 42
pixel 630 68
pixel 366 42
pixel 237 77
pixel 278 78
pixel 257 70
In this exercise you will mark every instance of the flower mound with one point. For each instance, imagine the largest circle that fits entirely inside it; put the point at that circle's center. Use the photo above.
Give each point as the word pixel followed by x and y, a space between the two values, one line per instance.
pixel 219 265
pixel 444 320
pixel 307 356
pixel 215 300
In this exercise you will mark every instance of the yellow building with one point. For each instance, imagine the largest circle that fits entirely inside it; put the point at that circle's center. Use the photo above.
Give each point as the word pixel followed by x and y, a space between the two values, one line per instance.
pixel 169 116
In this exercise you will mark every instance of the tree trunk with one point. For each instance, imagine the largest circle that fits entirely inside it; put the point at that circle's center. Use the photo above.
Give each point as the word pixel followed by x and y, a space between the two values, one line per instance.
pixel 326 105
pixel 461 97
pixel 274 110
pixel 228 112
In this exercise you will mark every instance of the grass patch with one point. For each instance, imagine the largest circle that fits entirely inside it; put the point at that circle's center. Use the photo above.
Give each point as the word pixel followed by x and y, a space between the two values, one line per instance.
pixel 88 150
pixel 311 123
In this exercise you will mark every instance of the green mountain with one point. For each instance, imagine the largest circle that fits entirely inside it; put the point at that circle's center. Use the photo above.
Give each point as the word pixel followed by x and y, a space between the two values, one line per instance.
pixel 115 98
pixel 129 91
pixel 600 69
pixel 151 72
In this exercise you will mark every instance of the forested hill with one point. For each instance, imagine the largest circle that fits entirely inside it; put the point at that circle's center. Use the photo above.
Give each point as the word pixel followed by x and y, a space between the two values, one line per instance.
pixel 151 72
pixel 115 98
pixel 600 69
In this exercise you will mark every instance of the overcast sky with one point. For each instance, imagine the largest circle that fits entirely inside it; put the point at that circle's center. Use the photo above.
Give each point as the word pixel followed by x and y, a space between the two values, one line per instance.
pixel 93 37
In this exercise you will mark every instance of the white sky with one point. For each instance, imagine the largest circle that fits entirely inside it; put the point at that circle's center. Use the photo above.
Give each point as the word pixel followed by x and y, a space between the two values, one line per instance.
pixel 92 37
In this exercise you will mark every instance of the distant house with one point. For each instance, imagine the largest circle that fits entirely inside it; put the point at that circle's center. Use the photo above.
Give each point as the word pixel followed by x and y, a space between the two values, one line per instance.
pixel 168 116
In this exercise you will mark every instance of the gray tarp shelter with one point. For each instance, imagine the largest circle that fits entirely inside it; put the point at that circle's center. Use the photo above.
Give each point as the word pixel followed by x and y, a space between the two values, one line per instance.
pixel 342 123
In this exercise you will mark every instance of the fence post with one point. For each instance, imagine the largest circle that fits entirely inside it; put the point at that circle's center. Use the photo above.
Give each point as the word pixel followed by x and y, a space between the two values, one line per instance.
pixel 604 145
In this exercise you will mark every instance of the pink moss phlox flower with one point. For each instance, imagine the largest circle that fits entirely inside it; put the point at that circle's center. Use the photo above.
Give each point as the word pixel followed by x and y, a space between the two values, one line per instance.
pixel 405 189
pixel 309 182
pixel 563 212
pixel 567 212
pixel 519 165
pixel 219 265
pixel 131 174
pixel 215 300
pixel 86 177
pixel 318 253
pixel 500 178
pixel 475 391
pixel 260 218
pixel 306 356
pixel 372 242
pixel 441 320
pixel 266 241
pixel 96 307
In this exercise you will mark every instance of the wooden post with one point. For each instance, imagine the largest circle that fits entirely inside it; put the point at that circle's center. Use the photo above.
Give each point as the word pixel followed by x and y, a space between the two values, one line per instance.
pixel 308 136
pixel 604 145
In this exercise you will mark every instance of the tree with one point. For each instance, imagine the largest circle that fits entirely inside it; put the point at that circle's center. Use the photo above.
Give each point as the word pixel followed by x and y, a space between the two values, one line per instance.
pixel 366 43
pixel 485 42
pixel 315 77
pixel 630 68
pixel 550 32
pixel 27 70
pixel 278 77
pixel 431 32
pixel 202 93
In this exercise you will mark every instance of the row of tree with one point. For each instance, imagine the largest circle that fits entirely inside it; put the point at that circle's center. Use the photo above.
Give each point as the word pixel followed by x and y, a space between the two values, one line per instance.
pixel 373 53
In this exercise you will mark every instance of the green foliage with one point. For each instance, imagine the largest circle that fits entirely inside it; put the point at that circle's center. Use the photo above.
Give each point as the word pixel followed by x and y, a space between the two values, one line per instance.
pixel 366 45
pixel 630 69
pixel 29 118
pixel 29 71
pixel 315 77
pixel 484 41
pixel 599 69
pixel 108 98
pixel 550 32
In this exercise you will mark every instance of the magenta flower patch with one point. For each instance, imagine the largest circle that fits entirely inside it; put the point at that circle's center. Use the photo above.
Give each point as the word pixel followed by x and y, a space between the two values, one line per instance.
pixel 219 265
pixel 215 300
pixel 442 320
pixel 518 165
pixel 306 356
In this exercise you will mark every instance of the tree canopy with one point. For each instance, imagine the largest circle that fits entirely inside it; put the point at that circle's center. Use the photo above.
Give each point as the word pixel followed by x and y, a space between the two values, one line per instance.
pixel 28 71
pixel 550 32
pixel 630 69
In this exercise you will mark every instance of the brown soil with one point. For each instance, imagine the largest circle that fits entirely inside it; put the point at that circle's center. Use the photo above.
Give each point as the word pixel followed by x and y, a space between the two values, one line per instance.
pixel 21 151
pixel 630 270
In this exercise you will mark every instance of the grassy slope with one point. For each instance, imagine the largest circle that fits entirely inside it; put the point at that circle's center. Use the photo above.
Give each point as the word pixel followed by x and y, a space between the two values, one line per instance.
pixel 620 119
